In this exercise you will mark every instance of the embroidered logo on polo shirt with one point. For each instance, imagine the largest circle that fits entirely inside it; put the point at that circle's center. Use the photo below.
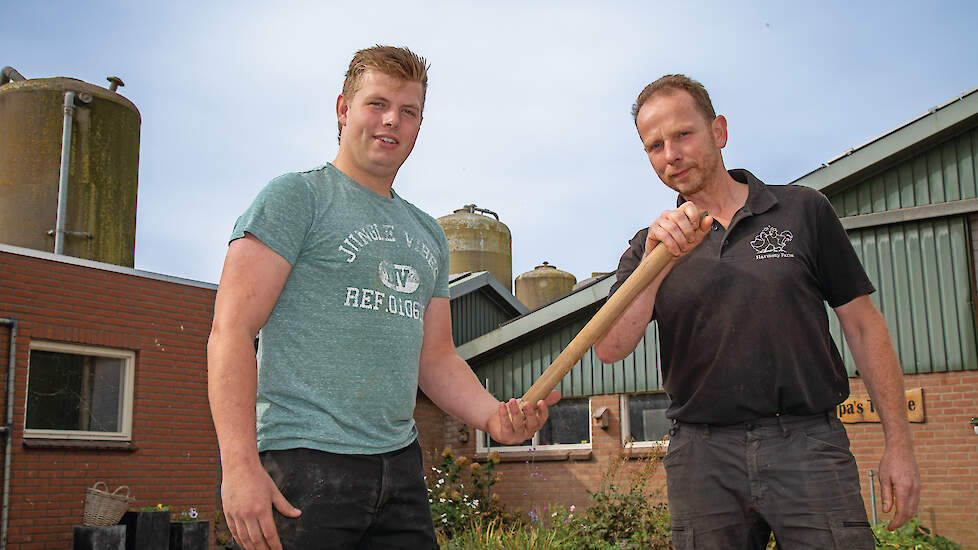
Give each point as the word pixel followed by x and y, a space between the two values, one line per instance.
pixel 770 243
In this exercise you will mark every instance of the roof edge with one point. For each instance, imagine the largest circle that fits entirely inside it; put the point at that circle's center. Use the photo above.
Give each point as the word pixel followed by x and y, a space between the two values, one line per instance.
pixel 102 266
pixel 910 135
pixel 538 318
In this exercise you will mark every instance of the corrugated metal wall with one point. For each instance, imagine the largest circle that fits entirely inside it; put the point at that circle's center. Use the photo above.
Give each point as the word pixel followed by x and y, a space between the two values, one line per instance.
pixel 943 173
pixel 923 278
pixel 922 270
pixel 513 371
pixel 474 315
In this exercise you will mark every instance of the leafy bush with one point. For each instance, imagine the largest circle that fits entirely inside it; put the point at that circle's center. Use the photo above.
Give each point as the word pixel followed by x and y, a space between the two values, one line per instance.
pixel 911 536
pixel 454 505
pixel 626 512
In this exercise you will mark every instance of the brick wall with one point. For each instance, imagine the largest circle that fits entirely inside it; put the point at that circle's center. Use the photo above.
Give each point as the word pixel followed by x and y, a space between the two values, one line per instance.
pixel 175 459
pixel 946 449
pixel 947 452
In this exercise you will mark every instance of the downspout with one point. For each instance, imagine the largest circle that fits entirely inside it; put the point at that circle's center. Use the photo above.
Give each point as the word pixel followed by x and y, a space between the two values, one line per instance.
pixel 7 429
pixel 59 228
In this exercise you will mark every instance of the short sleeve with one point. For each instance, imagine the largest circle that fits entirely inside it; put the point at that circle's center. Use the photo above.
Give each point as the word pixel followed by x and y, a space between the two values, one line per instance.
pixel 630 259
pixel 840 273
pixel 441 281
pixel 280 216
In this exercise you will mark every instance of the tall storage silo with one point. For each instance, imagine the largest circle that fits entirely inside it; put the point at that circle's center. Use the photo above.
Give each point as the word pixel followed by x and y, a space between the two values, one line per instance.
pixel 478 241
pixel 543 285
pixel 100 203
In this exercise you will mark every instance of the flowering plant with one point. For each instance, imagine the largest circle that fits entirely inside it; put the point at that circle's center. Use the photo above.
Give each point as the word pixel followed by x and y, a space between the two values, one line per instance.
pixel 459 491
pixel 187 515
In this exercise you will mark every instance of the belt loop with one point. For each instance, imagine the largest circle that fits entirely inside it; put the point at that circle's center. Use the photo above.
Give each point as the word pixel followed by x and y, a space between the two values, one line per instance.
pixel 706 431
pixel 784 429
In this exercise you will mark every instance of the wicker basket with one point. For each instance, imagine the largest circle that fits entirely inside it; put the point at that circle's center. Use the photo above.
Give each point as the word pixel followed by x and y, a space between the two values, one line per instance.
pixel 105 508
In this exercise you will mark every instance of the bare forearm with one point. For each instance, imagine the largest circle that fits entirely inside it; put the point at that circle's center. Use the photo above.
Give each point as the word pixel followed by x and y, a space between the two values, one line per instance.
pixel 627 331
pixel 450 383
pixel 232 382
pixel 879 368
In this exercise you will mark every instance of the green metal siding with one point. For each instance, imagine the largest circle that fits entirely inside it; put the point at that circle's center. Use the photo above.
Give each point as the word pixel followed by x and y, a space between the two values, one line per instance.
pixel 922 273
pixel 945 172
pixel 474 315
pixel 514 370
pixel 922 270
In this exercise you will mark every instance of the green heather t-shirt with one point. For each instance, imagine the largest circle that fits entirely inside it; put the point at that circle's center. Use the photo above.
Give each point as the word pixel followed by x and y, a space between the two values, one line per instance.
pixel 338 357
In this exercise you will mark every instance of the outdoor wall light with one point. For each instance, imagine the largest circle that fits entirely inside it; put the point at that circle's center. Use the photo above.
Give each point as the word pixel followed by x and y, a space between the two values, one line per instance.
pixel 601 417
pixel 974 424
pixel 463 435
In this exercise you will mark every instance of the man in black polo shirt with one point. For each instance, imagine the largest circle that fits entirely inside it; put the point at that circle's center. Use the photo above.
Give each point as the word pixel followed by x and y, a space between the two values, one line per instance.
pixel 747 358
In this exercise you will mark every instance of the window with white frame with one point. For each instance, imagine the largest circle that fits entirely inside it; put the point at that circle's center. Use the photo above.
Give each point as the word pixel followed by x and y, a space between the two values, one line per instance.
pixel 643 419
pixel 568 426
pixel 79 392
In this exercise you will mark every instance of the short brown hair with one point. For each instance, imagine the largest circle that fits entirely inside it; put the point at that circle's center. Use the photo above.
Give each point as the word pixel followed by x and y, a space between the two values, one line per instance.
pixel 671 83
pixel 399 63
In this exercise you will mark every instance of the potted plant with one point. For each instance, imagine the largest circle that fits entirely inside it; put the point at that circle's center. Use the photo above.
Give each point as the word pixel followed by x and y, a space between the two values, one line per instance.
pixel 188 532
pixel 147 527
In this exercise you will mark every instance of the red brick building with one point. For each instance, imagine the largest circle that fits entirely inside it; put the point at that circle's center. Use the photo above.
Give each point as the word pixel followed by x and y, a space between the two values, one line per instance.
pixel 109 384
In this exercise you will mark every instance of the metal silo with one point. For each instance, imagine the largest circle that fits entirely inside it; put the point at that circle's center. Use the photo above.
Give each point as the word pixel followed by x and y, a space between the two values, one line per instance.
pixel 543 285
pixel 478 242
pixel 98 173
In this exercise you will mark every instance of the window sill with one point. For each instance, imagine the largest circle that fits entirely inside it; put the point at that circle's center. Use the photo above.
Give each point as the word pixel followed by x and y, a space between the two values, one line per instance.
pixel 539 456
pixel 80 444
pixel 646 451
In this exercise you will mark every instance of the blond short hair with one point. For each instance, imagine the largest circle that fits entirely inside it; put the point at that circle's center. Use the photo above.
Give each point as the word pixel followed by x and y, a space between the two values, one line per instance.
pixel 396 62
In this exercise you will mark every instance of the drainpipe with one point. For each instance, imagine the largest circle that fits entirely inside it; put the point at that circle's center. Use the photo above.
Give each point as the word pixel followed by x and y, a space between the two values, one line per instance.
pixel 59 228
pixel 7 429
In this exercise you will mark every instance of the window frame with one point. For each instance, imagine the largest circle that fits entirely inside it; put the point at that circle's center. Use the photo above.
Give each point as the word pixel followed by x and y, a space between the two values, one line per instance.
pixel 625 421
pixel 128 383
pixel 482 440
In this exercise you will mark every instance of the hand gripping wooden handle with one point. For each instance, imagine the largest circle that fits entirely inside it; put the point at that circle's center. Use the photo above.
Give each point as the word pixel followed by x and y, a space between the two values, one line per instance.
pixel 601 322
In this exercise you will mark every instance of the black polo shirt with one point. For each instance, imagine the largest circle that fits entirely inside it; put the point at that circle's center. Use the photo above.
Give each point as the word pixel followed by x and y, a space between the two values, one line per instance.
pixel 743 330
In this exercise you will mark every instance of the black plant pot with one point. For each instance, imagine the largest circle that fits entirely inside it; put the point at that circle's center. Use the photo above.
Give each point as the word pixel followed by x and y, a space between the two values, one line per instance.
pixel 189 535
pixel 110 537
pixel 147 530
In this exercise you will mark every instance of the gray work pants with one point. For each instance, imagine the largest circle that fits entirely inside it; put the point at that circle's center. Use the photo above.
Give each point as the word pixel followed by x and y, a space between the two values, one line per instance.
pixel 729 487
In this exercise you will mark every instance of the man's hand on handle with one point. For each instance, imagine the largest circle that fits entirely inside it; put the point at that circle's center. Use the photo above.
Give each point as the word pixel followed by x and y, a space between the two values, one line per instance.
pixel 515 422
pixel 248 499
pixel 679 230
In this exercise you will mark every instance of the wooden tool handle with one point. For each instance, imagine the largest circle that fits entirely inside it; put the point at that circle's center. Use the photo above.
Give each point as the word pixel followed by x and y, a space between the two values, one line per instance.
pixel 643 275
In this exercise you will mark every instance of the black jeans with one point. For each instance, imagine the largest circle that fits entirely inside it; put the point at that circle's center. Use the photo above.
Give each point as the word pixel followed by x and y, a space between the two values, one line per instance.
pixel 730 486
pixel 361 502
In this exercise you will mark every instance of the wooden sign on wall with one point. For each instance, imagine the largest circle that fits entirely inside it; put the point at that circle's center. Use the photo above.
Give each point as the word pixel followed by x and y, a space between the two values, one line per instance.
pixel 861 409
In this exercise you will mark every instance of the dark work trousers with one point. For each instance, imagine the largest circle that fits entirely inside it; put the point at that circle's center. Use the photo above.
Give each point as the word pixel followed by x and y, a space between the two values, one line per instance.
pixel 730 486
pixel 361 502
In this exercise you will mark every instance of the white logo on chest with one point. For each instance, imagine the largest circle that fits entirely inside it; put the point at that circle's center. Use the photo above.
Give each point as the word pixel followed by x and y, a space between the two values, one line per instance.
pixel 770 243
pixel 401 278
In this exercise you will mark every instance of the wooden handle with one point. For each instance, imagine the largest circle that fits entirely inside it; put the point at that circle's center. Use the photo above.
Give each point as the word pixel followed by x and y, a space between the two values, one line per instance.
pixel 643 275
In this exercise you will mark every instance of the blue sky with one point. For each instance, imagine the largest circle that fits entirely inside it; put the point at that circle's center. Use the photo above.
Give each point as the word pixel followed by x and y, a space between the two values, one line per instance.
pixel 528 103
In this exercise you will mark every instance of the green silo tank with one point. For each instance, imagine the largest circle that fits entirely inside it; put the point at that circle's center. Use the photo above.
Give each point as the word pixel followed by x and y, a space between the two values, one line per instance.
pixel 100 218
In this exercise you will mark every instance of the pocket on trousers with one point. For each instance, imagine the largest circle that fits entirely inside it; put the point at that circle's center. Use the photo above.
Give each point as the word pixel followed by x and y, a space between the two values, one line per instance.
pixel 682 537
pixel 678 447
pixel 828 440
pixel 851 534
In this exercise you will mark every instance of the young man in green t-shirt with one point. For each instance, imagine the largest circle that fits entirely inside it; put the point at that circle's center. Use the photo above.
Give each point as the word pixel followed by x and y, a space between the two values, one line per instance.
pixel 348 284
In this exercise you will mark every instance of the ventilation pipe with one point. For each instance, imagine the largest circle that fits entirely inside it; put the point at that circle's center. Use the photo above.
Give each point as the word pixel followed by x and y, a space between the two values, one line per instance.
pixel 9 74
pixel 59 228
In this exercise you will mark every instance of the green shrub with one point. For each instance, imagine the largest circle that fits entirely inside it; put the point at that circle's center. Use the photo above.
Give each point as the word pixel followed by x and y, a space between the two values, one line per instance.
pixel 459 493
pixel 626 512
pixel 911 536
